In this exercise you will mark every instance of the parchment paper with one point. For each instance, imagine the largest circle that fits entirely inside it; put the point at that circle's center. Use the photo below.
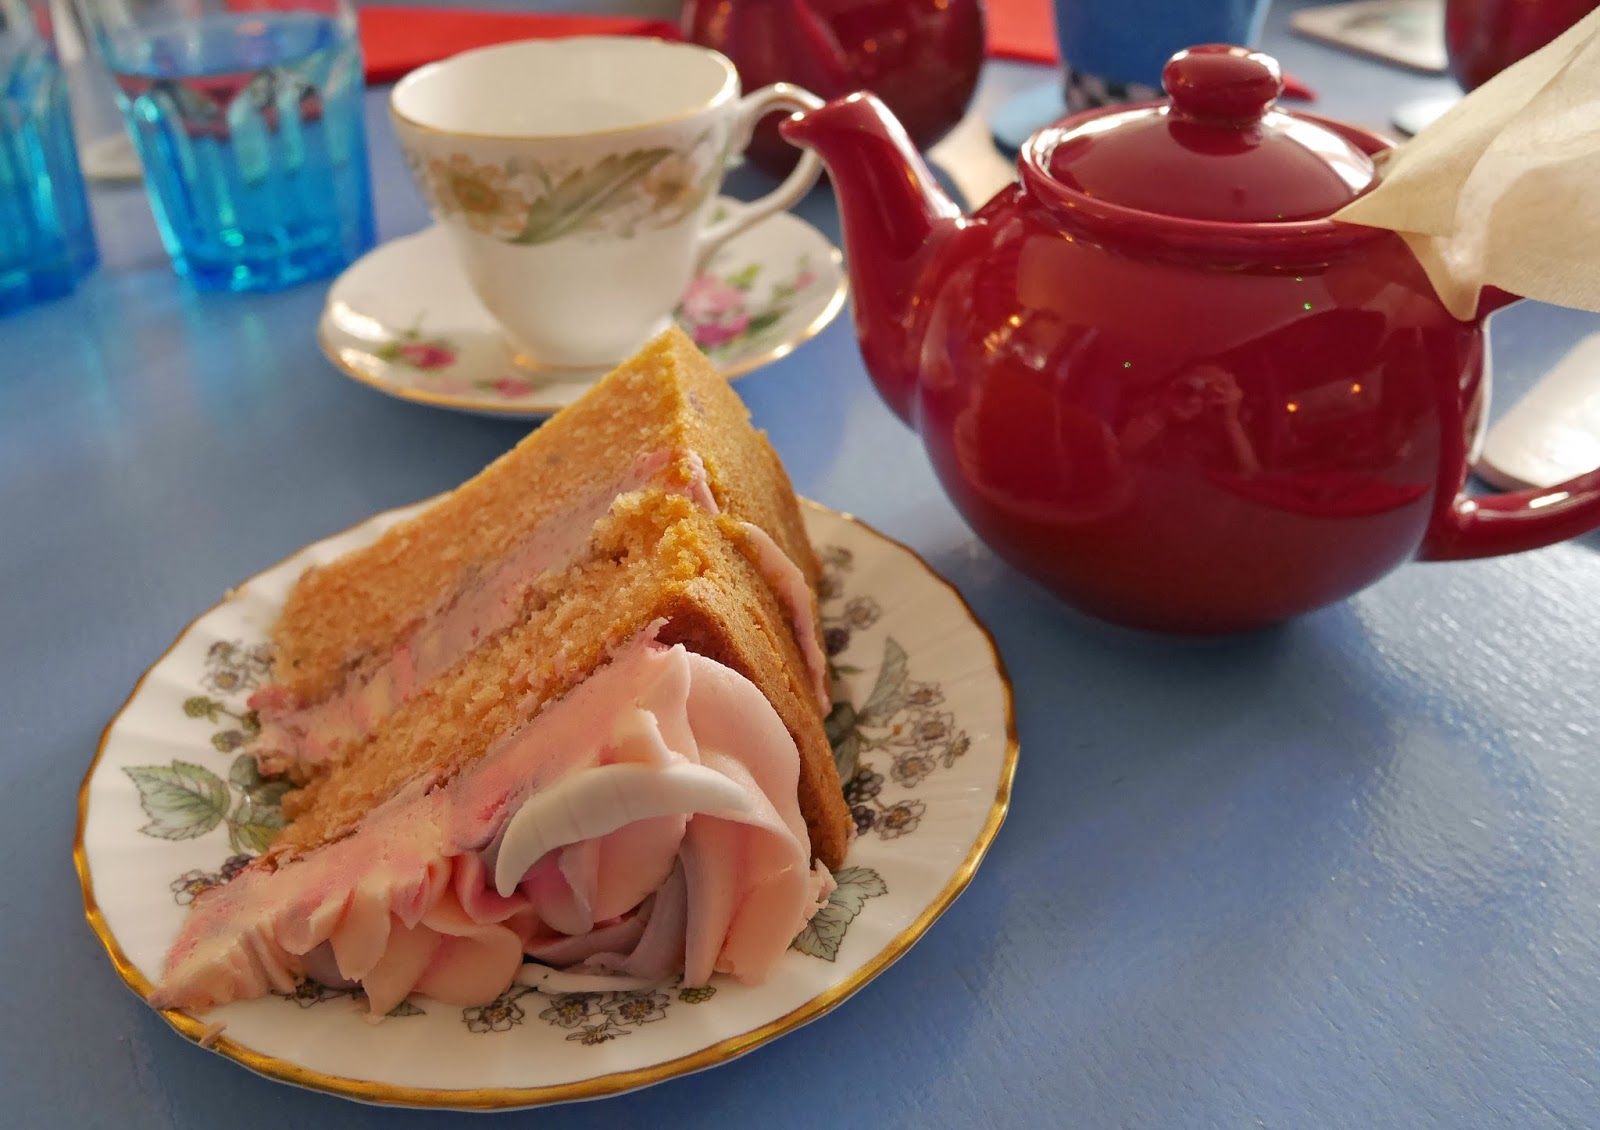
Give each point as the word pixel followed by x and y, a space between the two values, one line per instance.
pixel 1504 189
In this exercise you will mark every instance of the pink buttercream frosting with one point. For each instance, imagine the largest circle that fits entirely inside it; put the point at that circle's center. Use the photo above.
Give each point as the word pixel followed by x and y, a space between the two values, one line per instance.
pixel 408 902
pixel 784 578
pixel 310 733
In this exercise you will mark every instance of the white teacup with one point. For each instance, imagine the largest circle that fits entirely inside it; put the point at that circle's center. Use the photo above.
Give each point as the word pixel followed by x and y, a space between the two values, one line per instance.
pixel 576 177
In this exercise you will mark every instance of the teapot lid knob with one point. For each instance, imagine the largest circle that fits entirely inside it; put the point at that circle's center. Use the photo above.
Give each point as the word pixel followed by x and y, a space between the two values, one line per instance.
pixel 1221 84
pixel 1216 150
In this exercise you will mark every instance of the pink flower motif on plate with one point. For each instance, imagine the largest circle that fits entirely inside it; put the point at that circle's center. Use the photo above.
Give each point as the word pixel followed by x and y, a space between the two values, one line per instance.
pixel 708 299
pixel 713 311
pixel 511 386
pixel 413 351
pixel 714 335
pixel 426 355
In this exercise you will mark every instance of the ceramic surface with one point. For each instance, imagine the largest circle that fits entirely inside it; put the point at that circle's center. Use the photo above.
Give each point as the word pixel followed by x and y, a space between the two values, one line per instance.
pixel 922 57
pixel 1484 37
pixel 1184 402
pixel 405 321
pixel 922 727
pixel 576 180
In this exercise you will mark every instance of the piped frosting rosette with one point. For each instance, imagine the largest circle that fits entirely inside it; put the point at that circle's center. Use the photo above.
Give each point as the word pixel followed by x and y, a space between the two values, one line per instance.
pixel 645 825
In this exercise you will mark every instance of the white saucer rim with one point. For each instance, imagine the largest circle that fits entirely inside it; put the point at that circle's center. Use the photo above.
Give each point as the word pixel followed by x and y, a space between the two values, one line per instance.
pixel 523 410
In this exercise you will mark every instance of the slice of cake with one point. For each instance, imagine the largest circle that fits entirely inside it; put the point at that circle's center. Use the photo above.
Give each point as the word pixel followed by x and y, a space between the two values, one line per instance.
pixel 603 752
pixel 359 636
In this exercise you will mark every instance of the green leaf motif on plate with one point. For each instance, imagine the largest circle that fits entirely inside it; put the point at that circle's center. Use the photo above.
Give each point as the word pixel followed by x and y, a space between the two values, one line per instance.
pixel 266 792
pixel 183 800
pixel 253 827
pixel 888 693
pixel 825 932
pixel 844 737
pixel 745 277
pixel 243 772
pixel 270 793
pixel 764 321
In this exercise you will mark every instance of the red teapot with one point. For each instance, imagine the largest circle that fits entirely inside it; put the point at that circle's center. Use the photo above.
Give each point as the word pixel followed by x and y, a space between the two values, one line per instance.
pixel 1155 376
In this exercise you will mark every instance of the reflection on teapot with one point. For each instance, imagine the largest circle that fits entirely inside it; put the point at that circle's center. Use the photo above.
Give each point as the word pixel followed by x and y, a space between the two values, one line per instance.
pixel 1153 375
pixel 1205 395
pixel 922 57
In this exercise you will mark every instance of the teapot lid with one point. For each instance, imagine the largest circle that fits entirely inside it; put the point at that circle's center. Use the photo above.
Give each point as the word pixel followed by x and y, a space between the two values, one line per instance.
pixel 1217 150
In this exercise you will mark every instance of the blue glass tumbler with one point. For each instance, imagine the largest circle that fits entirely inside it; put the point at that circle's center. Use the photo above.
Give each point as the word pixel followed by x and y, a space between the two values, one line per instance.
pixel 248 119
pixel 46 238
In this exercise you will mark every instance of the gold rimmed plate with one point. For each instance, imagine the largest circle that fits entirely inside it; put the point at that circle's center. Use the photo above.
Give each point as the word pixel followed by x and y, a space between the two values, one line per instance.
pixel 404 320
pixel 923 725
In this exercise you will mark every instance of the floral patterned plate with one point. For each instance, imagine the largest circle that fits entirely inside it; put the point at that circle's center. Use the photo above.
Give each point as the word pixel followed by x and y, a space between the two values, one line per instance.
pixel 404 320
pixel 923 729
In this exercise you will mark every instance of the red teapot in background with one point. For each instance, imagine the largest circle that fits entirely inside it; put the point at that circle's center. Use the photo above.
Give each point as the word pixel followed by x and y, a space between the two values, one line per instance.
pixel 1484 37
pixel 1156 377
pixel 921 57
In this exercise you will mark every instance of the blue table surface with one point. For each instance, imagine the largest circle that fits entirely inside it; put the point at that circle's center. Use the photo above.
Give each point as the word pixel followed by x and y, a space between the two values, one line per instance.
pixel 1343 873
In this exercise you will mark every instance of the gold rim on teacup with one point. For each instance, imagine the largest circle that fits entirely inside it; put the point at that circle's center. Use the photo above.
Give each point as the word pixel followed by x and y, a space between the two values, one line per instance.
pixel 728 90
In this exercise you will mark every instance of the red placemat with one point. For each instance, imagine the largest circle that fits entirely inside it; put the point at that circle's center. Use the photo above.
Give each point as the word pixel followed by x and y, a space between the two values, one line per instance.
pixel 397 40
pixel 1022 29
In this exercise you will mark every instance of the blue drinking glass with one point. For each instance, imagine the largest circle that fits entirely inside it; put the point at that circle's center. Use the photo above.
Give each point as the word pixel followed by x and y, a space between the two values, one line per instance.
pixel 46 238
pixel 247 115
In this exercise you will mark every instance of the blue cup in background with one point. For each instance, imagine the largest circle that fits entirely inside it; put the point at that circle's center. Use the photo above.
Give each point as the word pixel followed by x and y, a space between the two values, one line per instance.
pixel 46 237
pixel 1112 51
pixel 248 119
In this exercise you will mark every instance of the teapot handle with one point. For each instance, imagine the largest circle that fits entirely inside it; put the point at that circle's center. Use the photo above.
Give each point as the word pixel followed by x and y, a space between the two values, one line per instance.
pixel 1519 520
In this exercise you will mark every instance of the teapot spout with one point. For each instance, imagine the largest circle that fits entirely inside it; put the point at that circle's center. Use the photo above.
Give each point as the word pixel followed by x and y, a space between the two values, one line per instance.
pixel 895 216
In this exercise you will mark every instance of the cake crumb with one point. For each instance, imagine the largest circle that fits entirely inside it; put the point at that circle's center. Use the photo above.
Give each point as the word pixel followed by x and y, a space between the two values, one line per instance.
pixel 212 1033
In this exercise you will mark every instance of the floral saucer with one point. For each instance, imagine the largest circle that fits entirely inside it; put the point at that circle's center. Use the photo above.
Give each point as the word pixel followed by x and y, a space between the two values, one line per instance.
pixel 404 320
pixel 923 730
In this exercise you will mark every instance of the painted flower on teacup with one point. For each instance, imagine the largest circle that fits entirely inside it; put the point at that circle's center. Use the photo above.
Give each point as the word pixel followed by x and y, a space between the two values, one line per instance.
pixel 611 181
pixel 482 195
pixel 672 182
pixel 528 202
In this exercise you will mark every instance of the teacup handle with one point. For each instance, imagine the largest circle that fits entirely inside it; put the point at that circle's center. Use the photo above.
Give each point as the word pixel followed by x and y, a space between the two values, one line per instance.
pixel 752 108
